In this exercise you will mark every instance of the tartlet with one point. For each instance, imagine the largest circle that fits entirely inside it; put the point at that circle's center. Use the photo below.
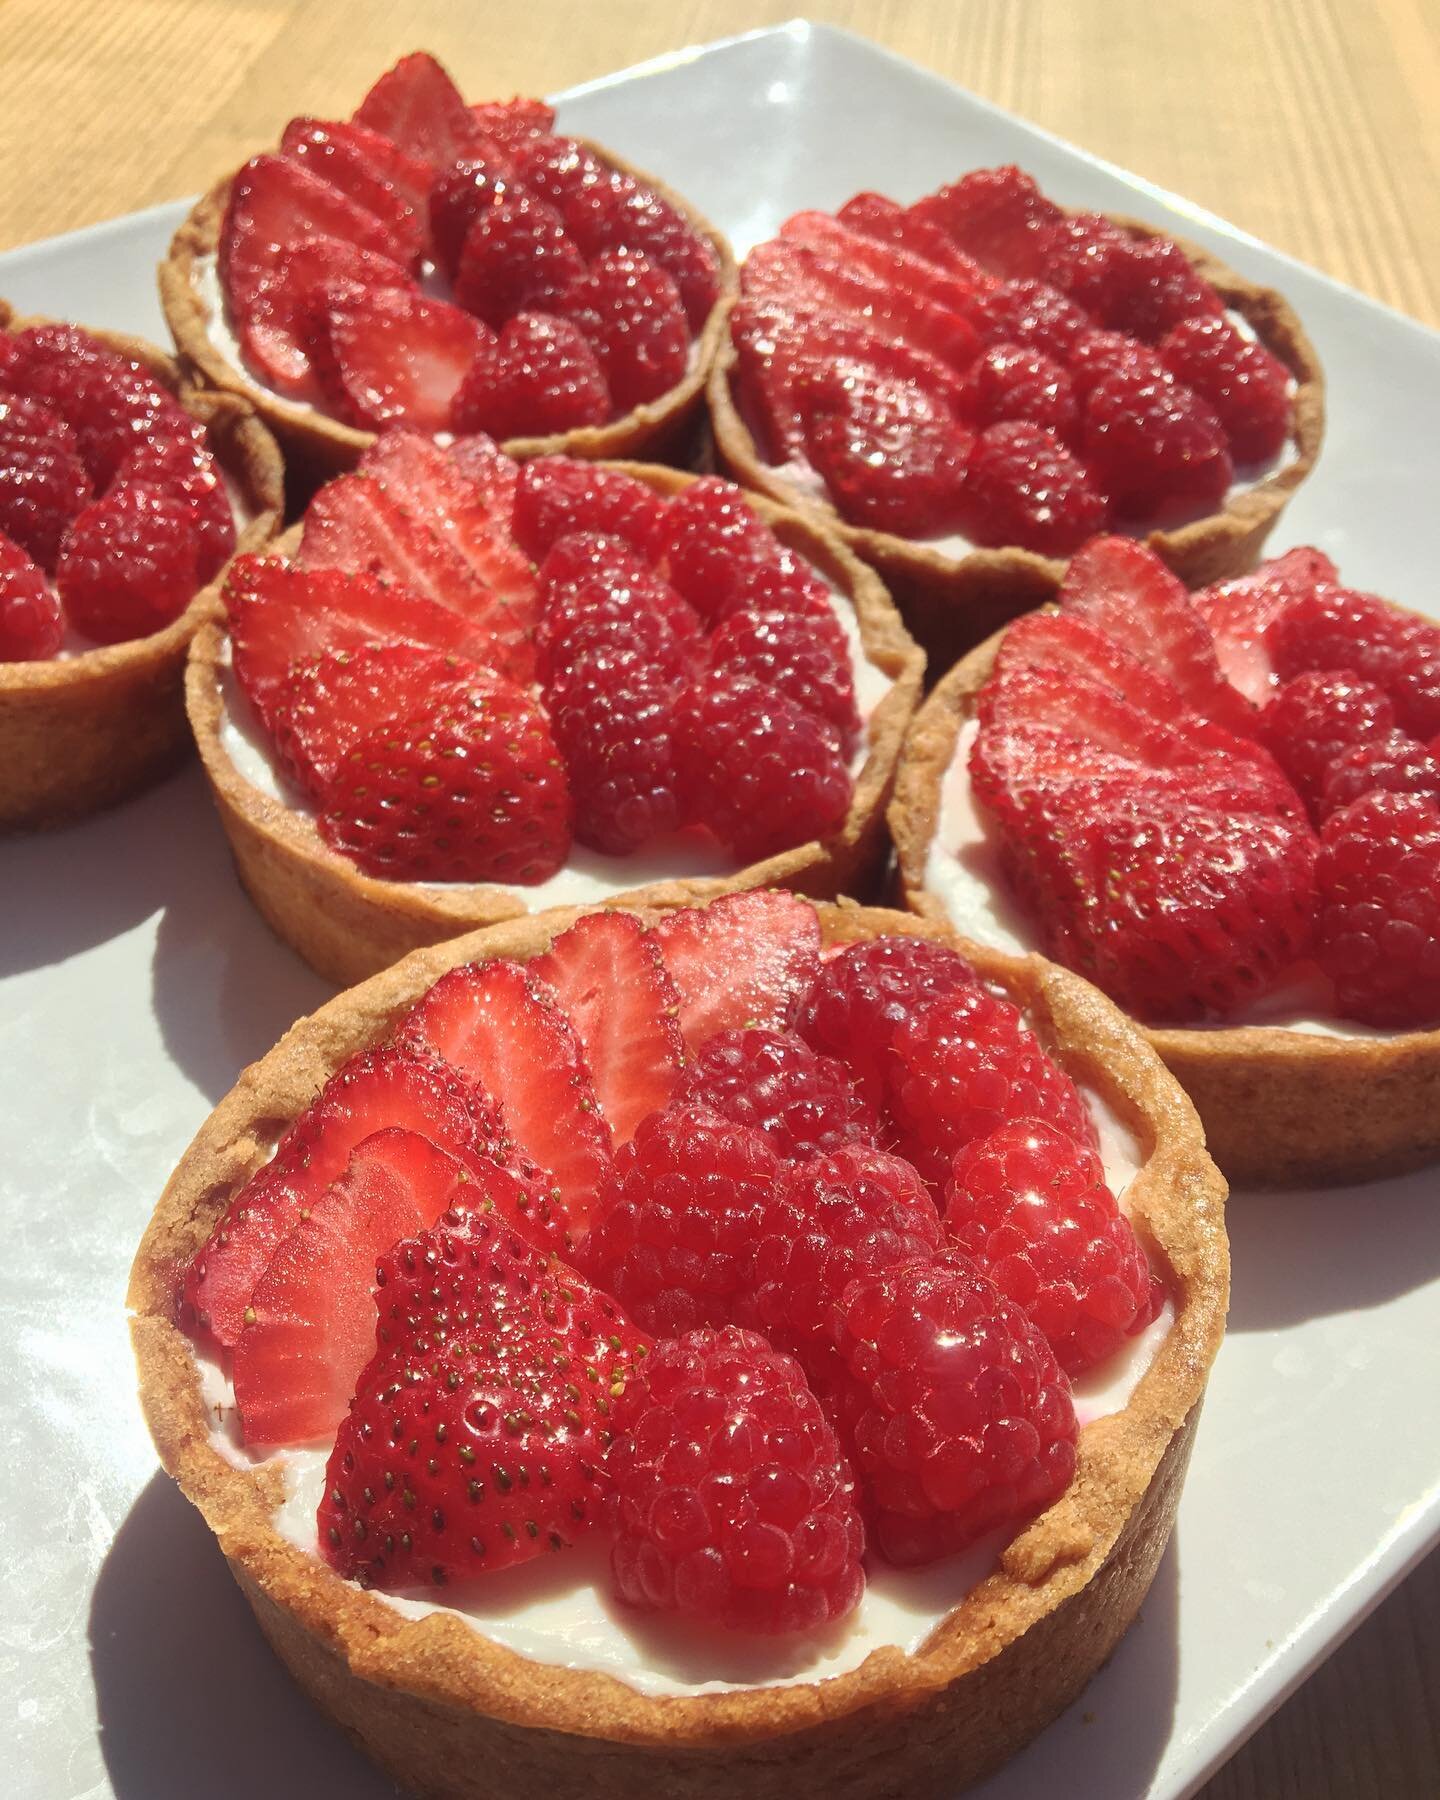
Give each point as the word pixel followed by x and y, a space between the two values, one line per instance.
pixel 951 602
pixel 449 1712
pixel 82 731
pixel 348 924
pixel 1281 1108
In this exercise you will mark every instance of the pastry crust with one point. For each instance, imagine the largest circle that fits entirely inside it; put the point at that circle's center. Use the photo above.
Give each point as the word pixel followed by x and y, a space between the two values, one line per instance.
pixel 320 446
pixel 451 1713
pixel 1280 1108
pixel 950 603
pixel 347 924
pixel 80 732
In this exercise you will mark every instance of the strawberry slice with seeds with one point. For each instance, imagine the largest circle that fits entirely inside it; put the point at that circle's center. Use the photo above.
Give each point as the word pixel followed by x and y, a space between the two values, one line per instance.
pixel 310 1326
pixel 612 985
pixel 890 264
pixel 482 462
pixel 496 1024
pixel 418 107
pixel 746 959
pixel 1068 644
pixel 373 171
pixel 887 222
pixel 396 357
pixel 1240 613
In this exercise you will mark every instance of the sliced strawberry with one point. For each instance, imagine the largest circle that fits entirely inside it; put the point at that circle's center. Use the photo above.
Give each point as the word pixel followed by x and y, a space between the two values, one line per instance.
pixel 745 959
pixel 612 985
pixel 496 1024
pixel 1126 591
pixel 310 1326
pixel 1240 612
pixel 372 170
pixel 890 264
pixel 481 461
pixel 1068 644
pixel 375 1089
pixel 885 220
pixel 998 216
pixel 417 106
pixel 396 357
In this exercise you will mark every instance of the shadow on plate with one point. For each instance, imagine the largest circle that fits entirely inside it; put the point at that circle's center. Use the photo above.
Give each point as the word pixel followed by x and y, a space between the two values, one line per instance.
pixel 189 1696
pixel 1310 1254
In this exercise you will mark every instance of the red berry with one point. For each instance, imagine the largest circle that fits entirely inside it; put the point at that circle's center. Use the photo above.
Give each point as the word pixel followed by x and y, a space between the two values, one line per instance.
pixel 460 195
pixel 1068 644
pixel 539 377
pixel 745 959
pixel 806 659
pixel 1388 763
pixel 284 337
pixel 803 1104
pixel 486 466
pixel 129 563
pixel 1022 486
pixel 32 627
pixel 1033 314
pixel 864 993
pixel 1247 386
pixel 721 556
pixel 516 258
pixel 1316 717
pixel 1012 381
pixel 956 1414
pixel 417 106
pixel 1378 876
pixel 185 468
pixel 875 216
pixel 1156 448
pixel 43 481
pixel 630 310
pixel 600 595
pixel 373 171
pixel 998 216
pixel 398 358
pixel 892 459
pixel 1240 613
pixel 516 122
pixel 612 713
pixel 1336 628
pixel 675 1226
pixel 763 774
pixel 1142 288
pixel 1094 355
pixel 1030 1206
pixel 557 495
pixel 733 1502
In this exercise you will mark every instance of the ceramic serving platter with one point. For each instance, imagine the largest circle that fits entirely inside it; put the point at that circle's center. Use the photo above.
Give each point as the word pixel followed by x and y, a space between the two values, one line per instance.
pixel 136 981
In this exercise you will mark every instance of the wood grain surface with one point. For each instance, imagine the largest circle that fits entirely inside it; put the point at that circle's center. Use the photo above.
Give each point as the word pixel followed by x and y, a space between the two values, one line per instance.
pixel 1307 122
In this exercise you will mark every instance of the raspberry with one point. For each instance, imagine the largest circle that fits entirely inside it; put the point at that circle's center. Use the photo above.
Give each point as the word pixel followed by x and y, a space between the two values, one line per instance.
pixel 1012 381
pixel 1335 628
pixel 759 771
pixel 460 195
pixel 732 1500
pixel 613 602
pixel 805 658
pixel 1378 875
pixel 1096 354
pixel 887 222
pixel 998 216
pixel 630 309
pixel 1315 717
pixel 827 1221
pixel 175 462
pixel 801 1103
pixel 721 556
pixel 863 995
pixel 1031 1207
pixel 954 1410
pixel 892 459
pixel 31 625
pixel 675 1229
pixel 1389 763
pixel 611 714
pixel 43 482
pixel 129 563
pixel 516 258
pixel 1142 289
pixel 1156 448
pixel 963 1065
pixel 539 376
pixel 1022 486
pixel 630 218
pixel 1033 314
pixel 1247 386
pixel 556 495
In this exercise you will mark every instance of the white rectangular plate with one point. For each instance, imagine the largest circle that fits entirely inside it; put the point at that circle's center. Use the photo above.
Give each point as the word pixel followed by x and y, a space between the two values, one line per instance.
pixel 138 981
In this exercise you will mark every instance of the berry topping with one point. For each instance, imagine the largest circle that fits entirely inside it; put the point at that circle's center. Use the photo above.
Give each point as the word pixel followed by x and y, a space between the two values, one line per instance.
pixel 1335 628
pixel 892 459
pixel 746 959
pixel 1247 386
pixel 31 625
pixel 1022 486
pixel 418 107
pixel 129 563
pixel 1030 1206
pixel 398 357
pixel 1013 381
pixel 721 556
pixel 515 258
pixel 600 596
pixel 557 495
pixel 998 216
pixel 459 196
pixel 1035 315
pixel 803 1104
pixel 631 311
pixel 284 333
pixel 1378 876
pixel 1155 448
pixel 43 480
pixel 373 171
pixel 732 1502
pixel 1388 763
pixel 805 657
pixel 1240 613
pixel 1316 717
pixel 612 715
pixel 539 376
pixel 1066 643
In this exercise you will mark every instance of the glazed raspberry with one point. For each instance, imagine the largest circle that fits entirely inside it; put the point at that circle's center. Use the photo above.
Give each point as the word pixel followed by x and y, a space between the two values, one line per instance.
pixel 962 1065
pixel 516 258
pixel 733 1500
pixel 460 195
pixel 862 996
pixel 806 659
pixel 631 311
pixel 1336 628
pixel 1156 448
pixel 556 495
pixel 803 1104
pixel 539 376
pixel 1012 381
pixel 129 563
pixel 955 1412
pixel 1096 354
pixel 175 462
pixel 1031 1207
pixel 43 481
pixel 1388 763
pixel 998 216
pixel 31 625
pixel 1316 717
pixel 514 123
pixel 721 556
pixel 1141 288
pixel 827 1221
pixel 677 1220
pixel 612 713
pixel 892 459
pixel 614 604
pixel 1022 486
pixel 1378 875
pixel 762 773
pixel 1033 314
pixel 1246 385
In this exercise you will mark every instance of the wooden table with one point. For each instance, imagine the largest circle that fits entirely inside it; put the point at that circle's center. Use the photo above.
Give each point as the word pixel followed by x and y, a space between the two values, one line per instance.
pixel 1307 122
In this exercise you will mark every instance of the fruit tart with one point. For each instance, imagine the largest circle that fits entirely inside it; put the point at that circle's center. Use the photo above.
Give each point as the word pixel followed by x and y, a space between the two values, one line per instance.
pixel 123 493
pixel 465 689
pixel 1224 809
pixel 449 268
pixel 750 1349
pixel 971 386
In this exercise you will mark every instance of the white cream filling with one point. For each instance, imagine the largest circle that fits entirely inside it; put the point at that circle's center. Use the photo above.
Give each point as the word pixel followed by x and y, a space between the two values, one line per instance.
pixel 559 1609
pixel 588 876
pixel 962 871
